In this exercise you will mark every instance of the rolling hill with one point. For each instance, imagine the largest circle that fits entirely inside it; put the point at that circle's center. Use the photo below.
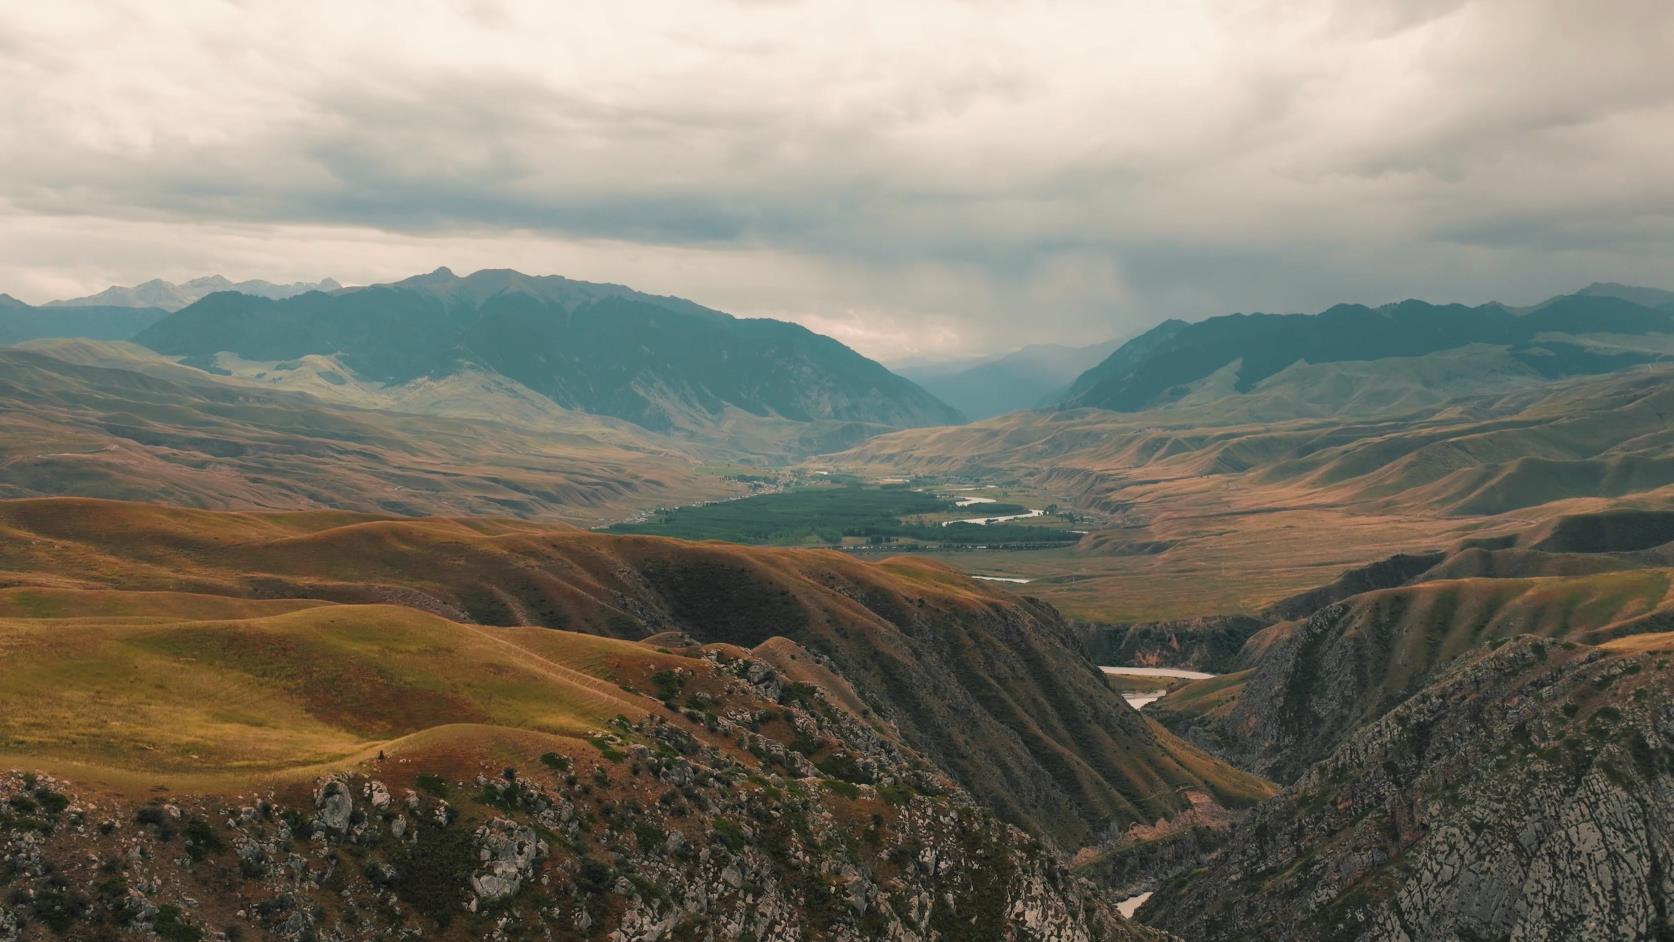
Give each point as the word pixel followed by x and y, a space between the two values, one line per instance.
pixel 154 430
pixel 1314 679
pixel 985 684
pixel 1216 490
pixel 662 363
pixel 238 753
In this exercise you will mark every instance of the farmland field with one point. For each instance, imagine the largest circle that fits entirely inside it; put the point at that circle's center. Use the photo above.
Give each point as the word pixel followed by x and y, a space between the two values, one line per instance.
pixel 847 513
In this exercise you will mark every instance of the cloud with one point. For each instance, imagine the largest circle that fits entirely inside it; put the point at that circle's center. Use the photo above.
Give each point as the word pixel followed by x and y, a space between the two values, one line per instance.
pixel 937 176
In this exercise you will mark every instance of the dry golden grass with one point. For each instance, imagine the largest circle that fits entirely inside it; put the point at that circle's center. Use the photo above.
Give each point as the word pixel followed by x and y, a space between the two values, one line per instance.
pixel 160 699
pixel 1201 511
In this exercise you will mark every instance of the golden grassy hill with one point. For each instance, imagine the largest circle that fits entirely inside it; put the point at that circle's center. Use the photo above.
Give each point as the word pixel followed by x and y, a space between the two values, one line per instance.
pixel 1201 510
pixel 987 684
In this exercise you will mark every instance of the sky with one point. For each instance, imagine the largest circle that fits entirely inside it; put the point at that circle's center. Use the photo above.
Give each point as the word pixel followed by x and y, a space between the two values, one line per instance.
pixel 920 180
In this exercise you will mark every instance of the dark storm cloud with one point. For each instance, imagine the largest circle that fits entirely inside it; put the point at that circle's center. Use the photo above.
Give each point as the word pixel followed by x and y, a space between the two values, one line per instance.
pixel 910 176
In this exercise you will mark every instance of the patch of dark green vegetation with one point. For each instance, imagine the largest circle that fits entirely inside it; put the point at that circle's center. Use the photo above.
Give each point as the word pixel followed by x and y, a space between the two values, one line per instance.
pixel 201 839
pixel 432 871
pixel 828 515
pixel 171 926
pixel 606 749
pixel 431 784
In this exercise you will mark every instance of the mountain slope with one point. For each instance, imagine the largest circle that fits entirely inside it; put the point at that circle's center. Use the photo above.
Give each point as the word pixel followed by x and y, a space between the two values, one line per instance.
pixel 20 322
pixel 662 363
pixel 1166 363
pixel 1028 378
pixel 169 296
pixel 988 685
pixel 1312 682
pixel 1524 794
pixel 181 436
pixel 479 779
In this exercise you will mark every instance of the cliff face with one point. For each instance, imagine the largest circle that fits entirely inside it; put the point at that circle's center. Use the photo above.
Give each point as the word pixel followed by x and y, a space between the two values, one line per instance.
pixel 1316 681
pixel 1528 793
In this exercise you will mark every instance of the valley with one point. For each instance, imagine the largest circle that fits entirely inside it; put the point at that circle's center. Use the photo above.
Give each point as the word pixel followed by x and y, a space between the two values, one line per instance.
pixel 1170 656
pixel 1081 471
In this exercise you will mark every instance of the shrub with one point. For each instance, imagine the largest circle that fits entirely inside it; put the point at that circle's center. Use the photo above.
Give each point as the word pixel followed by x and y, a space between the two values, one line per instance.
pixel 433 872
pixel 201 839
pixel 171 926
pixel 842 765
pixel 729 834
pixel 51 802
pixel 846 789
pixel 431 784
pixel 606 749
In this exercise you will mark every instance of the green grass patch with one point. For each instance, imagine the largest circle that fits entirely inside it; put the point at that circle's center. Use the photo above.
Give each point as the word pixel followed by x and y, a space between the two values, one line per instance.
pixel 828 515
pixel 606 749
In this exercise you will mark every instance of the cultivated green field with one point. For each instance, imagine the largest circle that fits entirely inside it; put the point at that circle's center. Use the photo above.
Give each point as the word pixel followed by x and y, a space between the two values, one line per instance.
pixel 832 515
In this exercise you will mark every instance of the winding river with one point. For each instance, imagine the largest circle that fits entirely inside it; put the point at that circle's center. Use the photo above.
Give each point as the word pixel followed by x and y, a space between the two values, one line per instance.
pixel 1136 700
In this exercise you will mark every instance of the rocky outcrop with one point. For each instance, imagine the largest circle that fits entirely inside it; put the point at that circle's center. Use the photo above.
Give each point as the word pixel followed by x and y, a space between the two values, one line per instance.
pixel 782 817
pixel 1527 794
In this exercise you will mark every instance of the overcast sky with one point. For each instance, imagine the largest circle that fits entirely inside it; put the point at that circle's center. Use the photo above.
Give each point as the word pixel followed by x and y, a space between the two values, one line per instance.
pixel 915 178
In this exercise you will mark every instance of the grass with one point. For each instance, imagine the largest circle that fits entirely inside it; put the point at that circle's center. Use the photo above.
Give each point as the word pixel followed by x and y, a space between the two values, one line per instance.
pixel 285 692
pixel 1204 697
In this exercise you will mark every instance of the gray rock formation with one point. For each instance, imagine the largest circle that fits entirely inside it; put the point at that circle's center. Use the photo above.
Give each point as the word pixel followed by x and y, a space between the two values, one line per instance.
pixel 1528 794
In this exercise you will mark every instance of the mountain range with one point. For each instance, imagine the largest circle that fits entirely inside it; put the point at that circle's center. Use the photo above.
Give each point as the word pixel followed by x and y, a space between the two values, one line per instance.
pixel 660 362
pixel 170 296
pixel 1174 359
pixel 21 322
pixel 1028 378
pixel 1429 550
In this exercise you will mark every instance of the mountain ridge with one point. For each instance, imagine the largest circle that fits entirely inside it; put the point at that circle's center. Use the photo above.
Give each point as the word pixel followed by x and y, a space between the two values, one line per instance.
pixel 1161 364
pixel 172 296
pixel 659 362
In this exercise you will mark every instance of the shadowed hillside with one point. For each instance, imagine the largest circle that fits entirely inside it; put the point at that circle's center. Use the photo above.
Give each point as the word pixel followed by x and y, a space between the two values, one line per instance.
pixel 20 322
pixel 242 751
pixel 1315 680
pixel 987 684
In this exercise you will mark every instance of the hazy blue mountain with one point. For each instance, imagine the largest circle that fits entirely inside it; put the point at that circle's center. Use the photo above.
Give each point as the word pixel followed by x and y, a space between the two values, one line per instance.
pixel 1162 364
pixel 1649 297
pixel 1023 379
pixel 20 321
pixel 657 361
pixel 172 297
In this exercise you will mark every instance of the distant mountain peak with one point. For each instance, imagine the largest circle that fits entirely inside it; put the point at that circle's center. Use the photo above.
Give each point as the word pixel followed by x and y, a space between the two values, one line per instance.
pixel 440 275
pixel 172 297
pixel 1638 294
